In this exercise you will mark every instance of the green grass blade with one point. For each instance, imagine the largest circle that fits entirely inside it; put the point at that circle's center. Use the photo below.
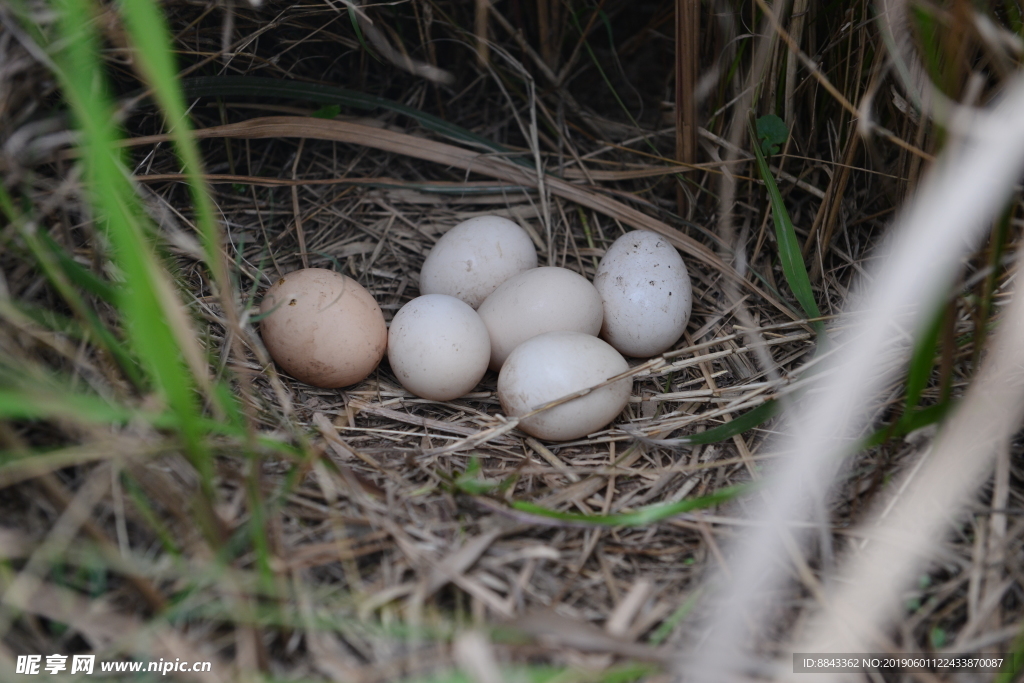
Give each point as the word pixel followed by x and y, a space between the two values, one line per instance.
pixel 908 423
pixel 148 292
pixel 46 318
pixel 149 35
pixel 669 625
pixel 145 509
pixel 26 404
pixel 741 424
pixel 47 400
pixel 789 247
pixel 923 360
pixel 255 86
pixel 65 274
pixel 997 245
pixel 76 273
pixel 643 516
pixel 929 34
pixel 93 329
pixel 359 34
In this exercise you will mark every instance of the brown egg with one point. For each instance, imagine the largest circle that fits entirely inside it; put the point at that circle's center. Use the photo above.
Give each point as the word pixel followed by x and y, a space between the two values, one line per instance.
pixel 323 328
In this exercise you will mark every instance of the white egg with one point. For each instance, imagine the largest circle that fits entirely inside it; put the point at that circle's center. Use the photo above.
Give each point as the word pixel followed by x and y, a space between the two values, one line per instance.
pixel 474 257
pixel 557 364
pixel 646 292
pixel 438 347
pixel 538 301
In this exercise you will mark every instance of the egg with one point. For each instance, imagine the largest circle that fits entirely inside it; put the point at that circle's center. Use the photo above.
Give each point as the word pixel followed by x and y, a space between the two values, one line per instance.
pixel 537 301
pixel 474 257
pixel 646 293
pixel 323 328
pixel 556 364
pixel 438 347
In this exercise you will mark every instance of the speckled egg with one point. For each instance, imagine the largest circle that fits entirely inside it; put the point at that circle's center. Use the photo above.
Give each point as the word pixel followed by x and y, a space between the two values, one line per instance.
pixel 323 328
pixel 438 347
pixel 646 293
pixel 537 301
pixel 556 364
pixel 474 257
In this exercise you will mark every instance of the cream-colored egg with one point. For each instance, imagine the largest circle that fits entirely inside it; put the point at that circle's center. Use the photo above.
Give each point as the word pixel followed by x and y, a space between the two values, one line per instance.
pixel 538 301
pixel 323 328
pixel 646 293
pixel 474 257
pixel 438 347
pixel 556 364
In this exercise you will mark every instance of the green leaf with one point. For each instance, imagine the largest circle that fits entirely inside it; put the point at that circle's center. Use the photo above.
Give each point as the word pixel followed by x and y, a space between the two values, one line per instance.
pixel 642 517
pixel 328 111
pixel 747 420
pixel 771 133
pixel 789 247
pixel 923 359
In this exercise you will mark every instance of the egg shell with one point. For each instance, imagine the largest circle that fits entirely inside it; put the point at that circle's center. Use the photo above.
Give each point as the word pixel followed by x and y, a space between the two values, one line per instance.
pixel 536 301
pixel 323 328
pixel 556 364
pixel 474 257
pixel 646 293
pixel 438 347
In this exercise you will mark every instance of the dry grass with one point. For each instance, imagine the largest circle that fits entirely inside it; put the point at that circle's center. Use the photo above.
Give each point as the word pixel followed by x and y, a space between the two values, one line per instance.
pixel 375 561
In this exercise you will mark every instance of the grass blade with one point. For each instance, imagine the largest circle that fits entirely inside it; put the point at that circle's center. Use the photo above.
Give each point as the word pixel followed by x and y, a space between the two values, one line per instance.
pixel 669 625
pixel 146 28
pixel 157 326
pixel 64 273
pixel 908 423
pixel 789 247
pixel 257 86
pixel 643 516
pixel 923 359
pixel 38 405
pixel 741 424
pixel 77 274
